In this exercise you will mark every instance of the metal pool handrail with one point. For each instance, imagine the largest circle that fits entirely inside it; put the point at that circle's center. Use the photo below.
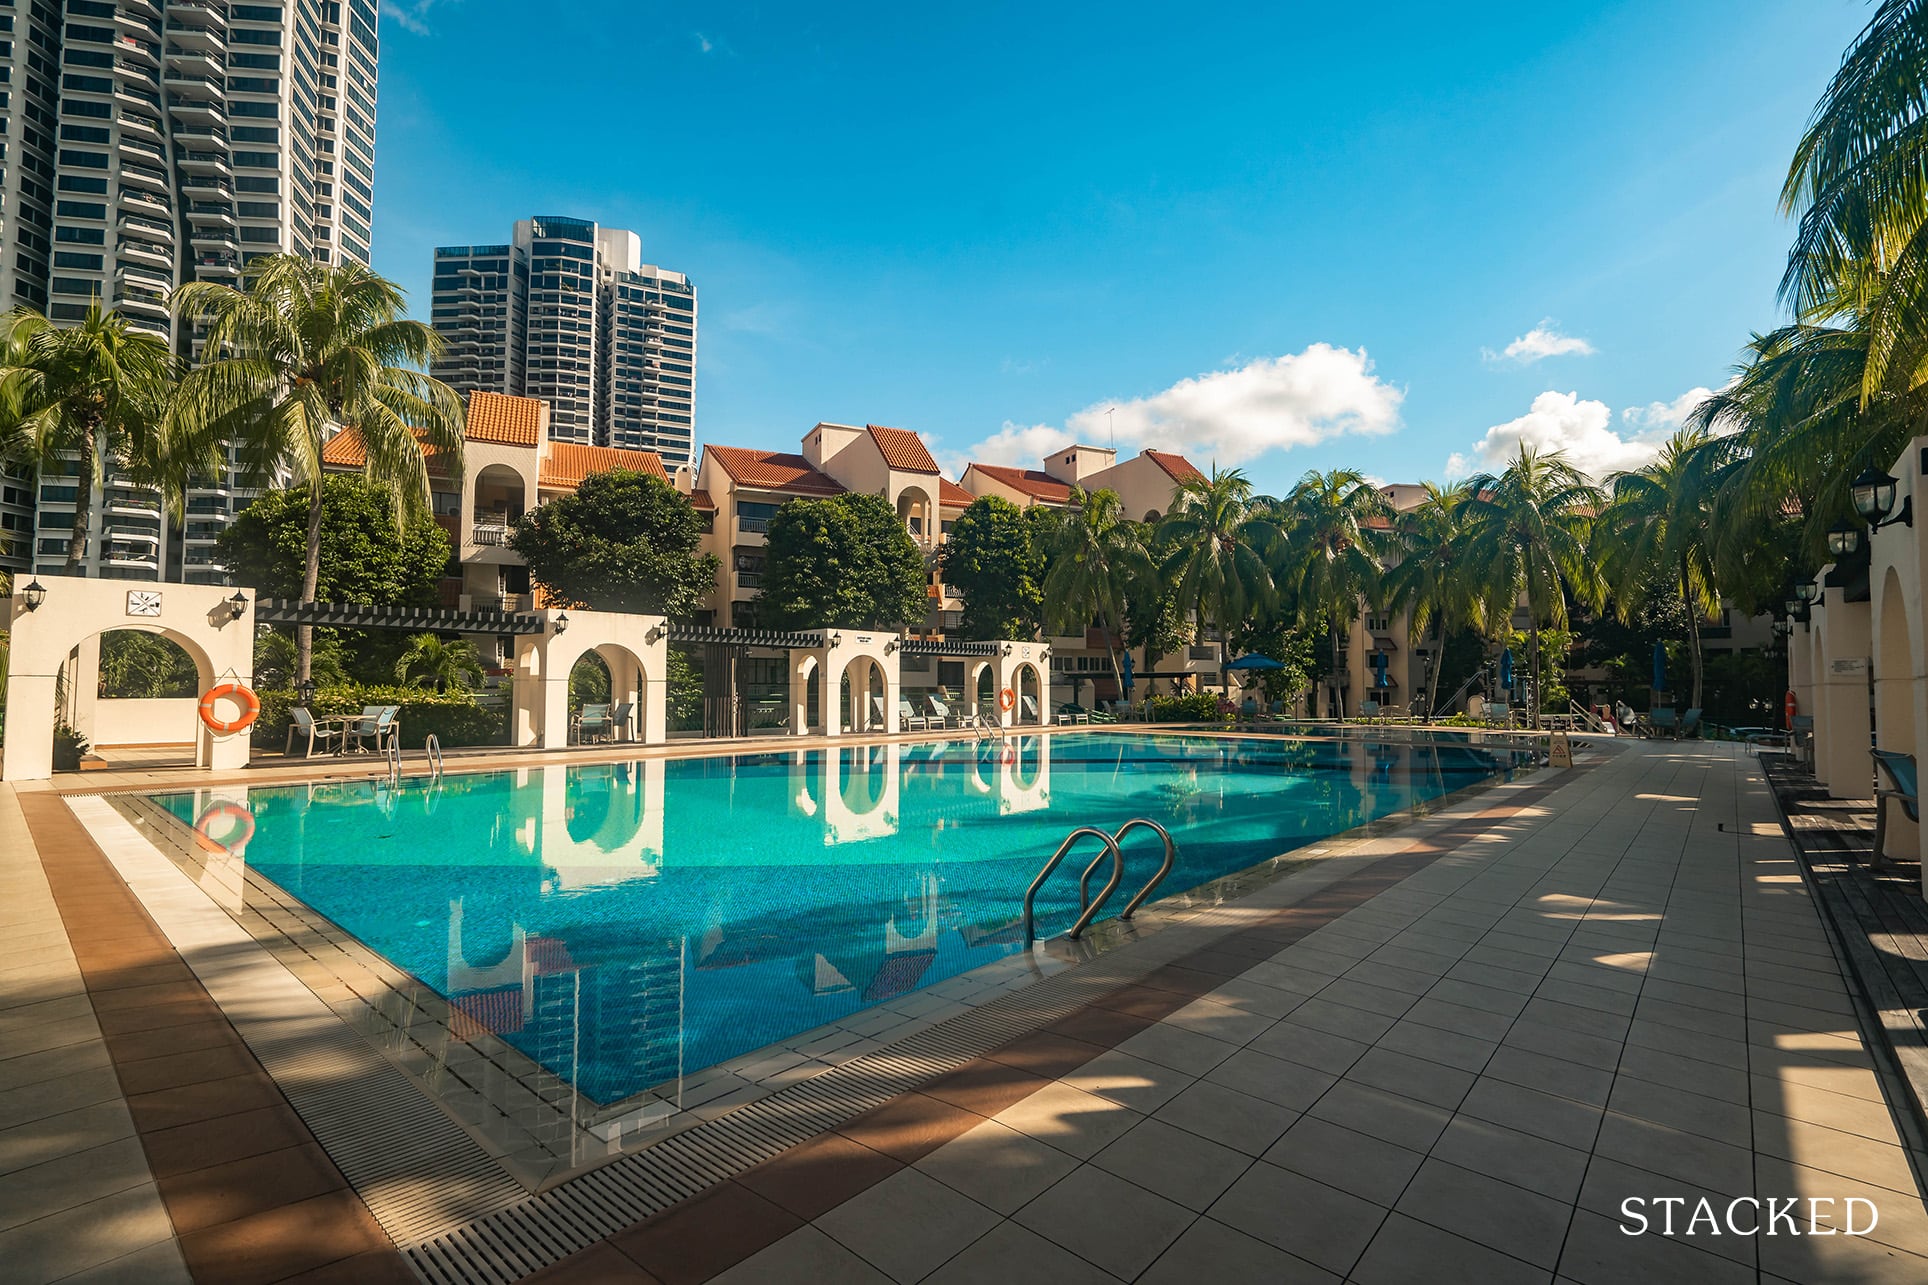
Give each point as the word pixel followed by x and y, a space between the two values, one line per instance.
pixel 1031 893
pixel 1171 855
pixel 433 748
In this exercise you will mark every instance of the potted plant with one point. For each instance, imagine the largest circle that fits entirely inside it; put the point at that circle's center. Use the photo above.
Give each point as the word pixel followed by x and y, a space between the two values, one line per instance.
pixel 69 745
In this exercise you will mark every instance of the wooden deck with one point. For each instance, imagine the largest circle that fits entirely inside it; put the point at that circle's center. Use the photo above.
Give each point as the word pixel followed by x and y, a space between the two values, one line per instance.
pixel 1879 917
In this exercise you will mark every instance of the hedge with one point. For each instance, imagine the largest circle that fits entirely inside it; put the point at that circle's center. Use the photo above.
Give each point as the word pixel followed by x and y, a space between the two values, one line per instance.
pixel 1194 707
pixel 454 717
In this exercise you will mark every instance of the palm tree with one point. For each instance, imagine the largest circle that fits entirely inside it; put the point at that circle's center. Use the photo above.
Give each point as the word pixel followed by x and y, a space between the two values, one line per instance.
pixel 306 350
pixel 432 661
pixel 1214 538
pixel 1661 517
pixel 1528 528
pixel 95 393
pixel 1433 580
pixel 1092 562
pixel 1335 553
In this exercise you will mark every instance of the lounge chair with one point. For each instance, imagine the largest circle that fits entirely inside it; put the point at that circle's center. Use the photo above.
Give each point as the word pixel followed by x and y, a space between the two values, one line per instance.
pixel 877 720
pixel 1903 786
pixel 1031 710
pixel 302 725
pixel 1500 712
pixel 1800 737
pixel 1660 721
pixel 378 723
pixel 1072 712
pixel 942 715
pixel 1689 724
pixel 592 723
pixel 909 719
pixel 619 720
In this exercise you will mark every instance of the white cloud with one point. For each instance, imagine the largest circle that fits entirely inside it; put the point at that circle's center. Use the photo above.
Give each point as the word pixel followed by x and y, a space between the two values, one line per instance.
pixel 1583 429
pixel 1223 416
pixel 1666 416
pixel 1539 343
pixel 409 15
pixel 703 42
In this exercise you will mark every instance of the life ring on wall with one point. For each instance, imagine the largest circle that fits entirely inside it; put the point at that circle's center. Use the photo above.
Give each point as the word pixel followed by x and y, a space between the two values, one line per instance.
pixel 1006 699
pixel 244 697
pixel 1791 707
pixel 238 834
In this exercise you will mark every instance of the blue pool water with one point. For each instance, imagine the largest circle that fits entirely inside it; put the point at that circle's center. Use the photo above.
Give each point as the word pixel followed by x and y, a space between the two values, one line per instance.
pixel 623 924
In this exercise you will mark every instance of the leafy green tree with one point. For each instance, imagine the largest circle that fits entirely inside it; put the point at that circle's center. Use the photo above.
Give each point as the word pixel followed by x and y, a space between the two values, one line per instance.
pixel 1282 638
pixel 1529 527
pixel 1095 560
pixel 843 561
pixel 139 665
pixel 1662 516
pixel 624 541
pixel 444 664
pixel 363 558
pixel 95 393
pixel 306 349
pixel 1212 545
pixel 274 661
pixel 1334 552
pixel 991 562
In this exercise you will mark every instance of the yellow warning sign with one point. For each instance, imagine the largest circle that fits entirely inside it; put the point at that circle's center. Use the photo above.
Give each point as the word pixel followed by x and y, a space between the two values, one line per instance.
pixel 1561 752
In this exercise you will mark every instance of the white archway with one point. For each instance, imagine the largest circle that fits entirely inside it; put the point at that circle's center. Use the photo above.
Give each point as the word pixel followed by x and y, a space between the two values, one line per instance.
pixel 213 624
pixel 635 650
pixel 1898 689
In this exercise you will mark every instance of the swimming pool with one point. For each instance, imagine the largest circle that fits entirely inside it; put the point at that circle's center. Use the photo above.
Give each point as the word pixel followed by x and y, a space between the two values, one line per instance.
pixel 624 924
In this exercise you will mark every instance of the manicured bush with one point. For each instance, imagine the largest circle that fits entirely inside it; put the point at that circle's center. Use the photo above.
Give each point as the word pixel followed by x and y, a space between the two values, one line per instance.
pixel 1194 707
pixel 455 717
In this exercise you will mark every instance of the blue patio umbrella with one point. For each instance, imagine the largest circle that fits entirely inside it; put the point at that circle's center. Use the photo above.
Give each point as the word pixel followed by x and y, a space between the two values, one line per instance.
pixel 1255 661
pixel 1660 668
pixel 1127 673
pixel 1506 670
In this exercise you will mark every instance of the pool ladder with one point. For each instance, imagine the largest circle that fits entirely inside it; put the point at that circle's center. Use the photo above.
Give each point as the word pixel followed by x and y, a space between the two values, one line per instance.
pixel 1088 909
pixel 433 748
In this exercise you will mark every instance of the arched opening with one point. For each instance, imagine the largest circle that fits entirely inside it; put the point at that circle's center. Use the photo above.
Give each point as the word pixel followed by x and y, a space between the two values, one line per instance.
pixel 135 691
pixel 861 694
pixel 1152 515
pixel 1894 704
pixel 1030 693
pixel 984 690
pixel 915 510
pixel 498 503
pixel 137 665
pixel 589 682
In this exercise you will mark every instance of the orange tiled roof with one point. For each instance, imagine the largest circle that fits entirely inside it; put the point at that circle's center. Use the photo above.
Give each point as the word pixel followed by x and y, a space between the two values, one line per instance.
pixel 508 421
pixel 701 499
pixel 773 471
pixel 1039 486
pixel 568 464
pixel 902 449
pixel 1178 467
pixel 345 450
pixel 952 496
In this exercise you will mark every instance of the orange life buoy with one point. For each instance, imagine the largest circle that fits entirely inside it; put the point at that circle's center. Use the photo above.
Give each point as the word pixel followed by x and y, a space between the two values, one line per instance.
pixel 237 837
pixel 1792 707
pixel 1006 699
pixel 250 708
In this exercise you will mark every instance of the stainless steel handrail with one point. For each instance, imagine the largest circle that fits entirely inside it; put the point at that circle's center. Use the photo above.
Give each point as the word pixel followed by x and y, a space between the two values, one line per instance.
pixel 433 748
pixel 1090 910
pixel 1171 855
pixel 394 756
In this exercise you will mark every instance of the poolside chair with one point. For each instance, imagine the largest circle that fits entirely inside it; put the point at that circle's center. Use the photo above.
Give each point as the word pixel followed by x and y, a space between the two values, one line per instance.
pixel 1499 712
pixel 378 723
pixel 942 715
pixel 302 725
pixel 909 718
pixel 591 723
pixel 1072 712
pixel 1689 724
pixel 619 720
pixel 1661 721
pixel 877 720
pixel 1800 737
pixel 1031 710
pixel 1903 786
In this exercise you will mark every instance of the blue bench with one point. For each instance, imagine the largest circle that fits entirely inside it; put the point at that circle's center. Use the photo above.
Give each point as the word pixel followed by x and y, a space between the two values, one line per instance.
pixel 1903 785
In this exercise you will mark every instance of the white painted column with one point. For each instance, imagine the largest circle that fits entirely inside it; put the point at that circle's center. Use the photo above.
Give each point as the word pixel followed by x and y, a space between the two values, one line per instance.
pixel 1842 762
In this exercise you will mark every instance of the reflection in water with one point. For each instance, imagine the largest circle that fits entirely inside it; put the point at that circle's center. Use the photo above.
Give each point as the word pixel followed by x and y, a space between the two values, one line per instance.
pixel 626 924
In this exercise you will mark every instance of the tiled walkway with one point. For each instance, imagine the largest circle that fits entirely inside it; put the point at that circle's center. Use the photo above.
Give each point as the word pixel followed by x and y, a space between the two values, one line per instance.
pixel 1622 992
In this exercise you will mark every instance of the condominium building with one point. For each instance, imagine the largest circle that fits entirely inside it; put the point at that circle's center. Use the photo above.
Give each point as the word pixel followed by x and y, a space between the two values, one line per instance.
pixel 150 143
pixel 568 312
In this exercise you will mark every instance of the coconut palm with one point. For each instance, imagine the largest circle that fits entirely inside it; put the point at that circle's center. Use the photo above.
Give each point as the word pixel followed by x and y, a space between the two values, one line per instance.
pixel 87 396
pixel 1528 527
pixel 305 351
pixel 1856 184
pixel 433 661
pixel 1093 561
pixel 1340 529
pixel 1661 517
pixel 1214 542
pixel 1433 580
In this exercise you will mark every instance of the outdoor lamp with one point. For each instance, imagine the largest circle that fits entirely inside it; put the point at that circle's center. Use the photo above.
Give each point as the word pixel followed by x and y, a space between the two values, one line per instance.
pixel 1873 493
pixel 237 605
pixel 1806 591
pixel 562 622
pixel 1843 539
pixel 34 594
pixel 1008 649
pixel 305 691
pixel 836 640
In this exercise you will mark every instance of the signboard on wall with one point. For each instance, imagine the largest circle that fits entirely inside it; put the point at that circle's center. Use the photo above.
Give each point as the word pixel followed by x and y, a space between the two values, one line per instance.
pixel 1850 665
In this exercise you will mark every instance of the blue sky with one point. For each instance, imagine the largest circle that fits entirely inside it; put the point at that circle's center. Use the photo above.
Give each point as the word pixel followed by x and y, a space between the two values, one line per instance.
pixel 1284 236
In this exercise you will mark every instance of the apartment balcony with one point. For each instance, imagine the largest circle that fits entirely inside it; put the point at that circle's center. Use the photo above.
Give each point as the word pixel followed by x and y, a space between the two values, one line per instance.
pixel 217 265
pixel 159 257
pixel 149 176
pixel 211 214
pixel 204 186
pixel 195 63
pixel 132 508
pixel 149 304
pixel 157 228
pixel 195 11
pixel 143 125
pixel 144 51
pixel 140 19
pixel 208 40
pixel 197 110
pixel 214 163
pixel 490 535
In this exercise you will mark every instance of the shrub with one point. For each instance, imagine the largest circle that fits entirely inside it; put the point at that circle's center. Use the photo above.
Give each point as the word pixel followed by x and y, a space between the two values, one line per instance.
pixel 455 717
pixel 1195 707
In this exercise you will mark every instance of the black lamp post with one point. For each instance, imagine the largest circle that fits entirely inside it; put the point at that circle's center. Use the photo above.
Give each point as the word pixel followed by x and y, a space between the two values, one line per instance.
pixel 305 692
pixel 1873 493
pixel 1843 540
pixel 238 605
pixel 34 594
